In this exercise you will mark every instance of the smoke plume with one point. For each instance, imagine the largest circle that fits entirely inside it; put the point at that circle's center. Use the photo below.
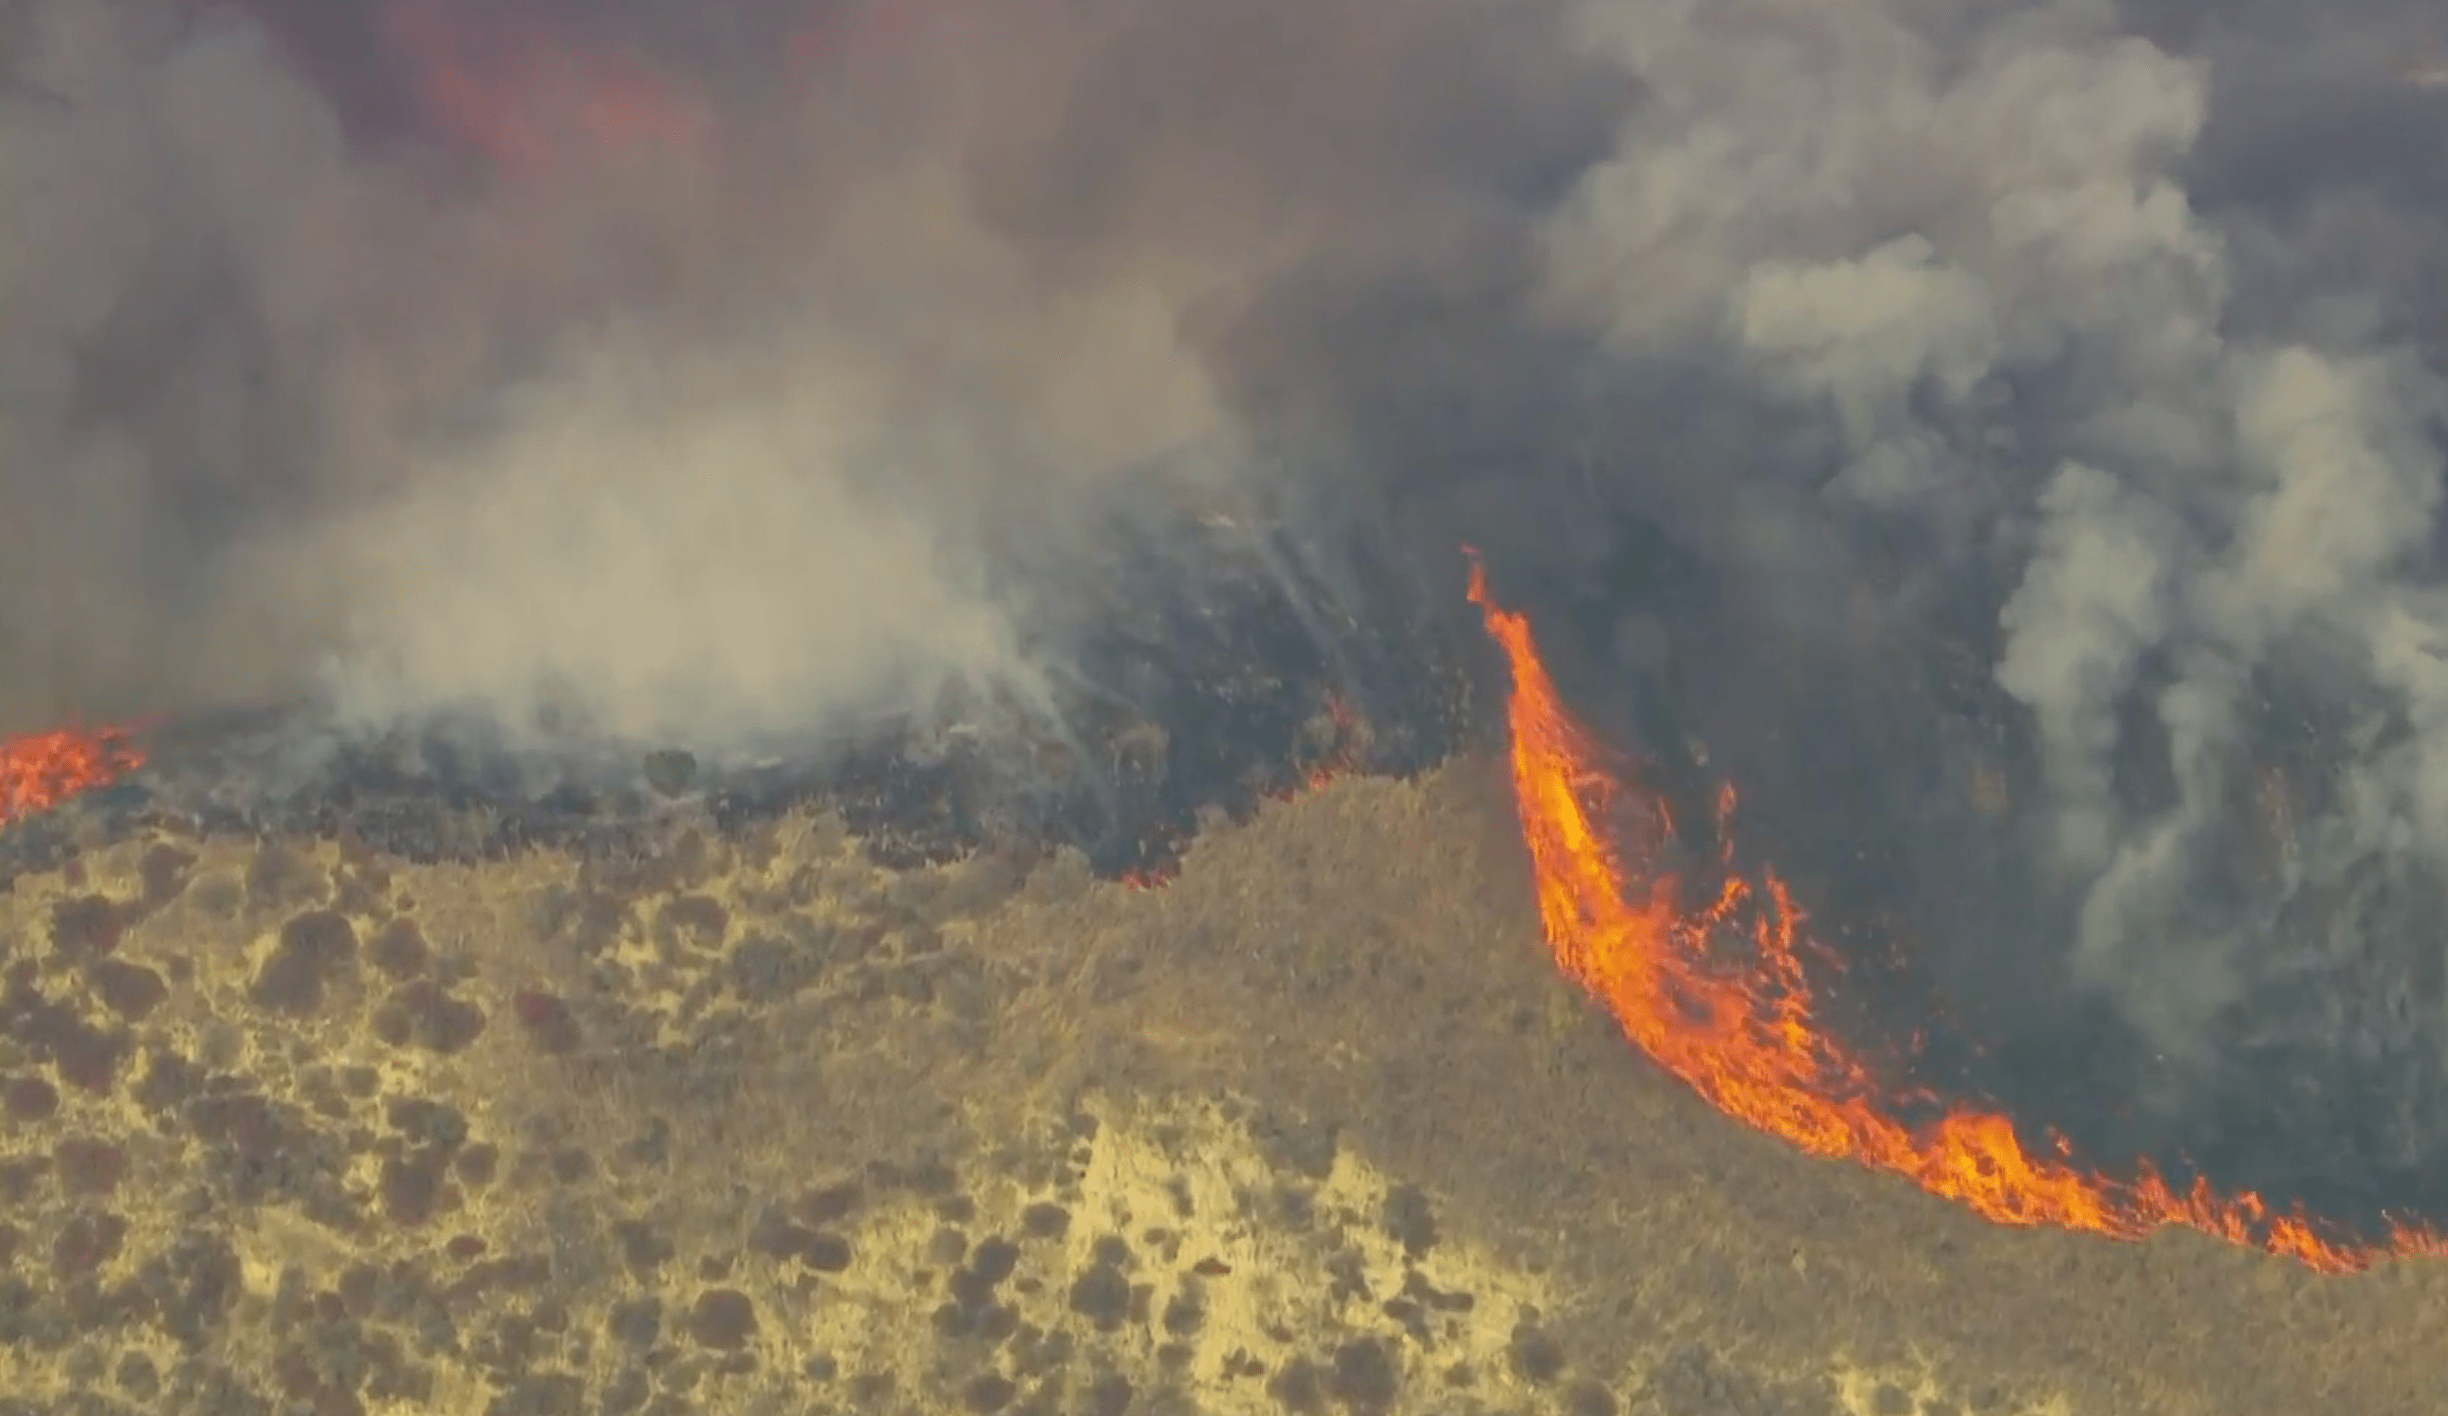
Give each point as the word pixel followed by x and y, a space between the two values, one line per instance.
pixel 2004 440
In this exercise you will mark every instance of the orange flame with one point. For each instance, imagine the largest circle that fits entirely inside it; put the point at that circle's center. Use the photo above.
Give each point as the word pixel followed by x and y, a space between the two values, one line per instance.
pixel 1742 1034
pixel 39 772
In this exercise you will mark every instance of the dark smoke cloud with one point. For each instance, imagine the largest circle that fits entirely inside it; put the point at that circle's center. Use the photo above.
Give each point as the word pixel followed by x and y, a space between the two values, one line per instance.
pixel 2005 440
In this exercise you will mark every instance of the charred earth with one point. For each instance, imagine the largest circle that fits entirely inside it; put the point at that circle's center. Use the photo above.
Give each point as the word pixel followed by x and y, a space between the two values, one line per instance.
pixel 1202 668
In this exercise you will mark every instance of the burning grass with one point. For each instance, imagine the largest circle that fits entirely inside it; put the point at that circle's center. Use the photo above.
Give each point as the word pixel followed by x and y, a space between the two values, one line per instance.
pixel 1746 1038
pixel 40 771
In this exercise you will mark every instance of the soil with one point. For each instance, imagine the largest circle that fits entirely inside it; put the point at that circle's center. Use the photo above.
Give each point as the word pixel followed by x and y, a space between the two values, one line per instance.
pixel 743 1121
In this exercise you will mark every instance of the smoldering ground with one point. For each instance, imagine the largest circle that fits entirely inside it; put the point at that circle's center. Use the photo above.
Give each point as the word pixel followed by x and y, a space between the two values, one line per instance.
pixel 2001 440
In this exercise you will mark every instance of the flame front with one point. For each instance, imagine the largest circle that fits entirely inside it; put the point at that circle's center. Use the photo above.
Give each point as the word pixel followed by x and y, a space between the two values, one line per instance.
pixel 43 770
pixel 1742 1033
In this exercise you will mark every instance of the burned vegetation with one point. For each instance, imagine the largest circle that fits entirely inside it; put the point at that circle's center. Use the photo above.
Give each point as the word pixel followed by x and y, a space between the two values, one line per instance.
pixel 1201 672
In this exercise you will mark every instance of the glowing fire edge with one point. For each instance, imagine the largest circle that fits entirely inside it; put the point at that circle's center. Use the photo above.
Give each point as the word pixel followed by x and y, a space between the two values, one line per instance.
pixel 1744 1039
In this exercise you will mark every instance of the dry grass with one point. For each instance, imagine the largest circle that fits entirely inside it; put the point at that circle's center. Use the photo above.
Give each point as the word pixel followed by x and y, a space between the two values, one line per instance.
pixel 1313 1128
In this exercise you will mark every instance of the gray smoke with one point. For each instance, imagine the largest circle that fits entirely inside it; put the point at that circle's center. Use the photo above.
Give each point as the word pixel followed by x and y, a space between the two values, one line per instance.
pixel 2005 438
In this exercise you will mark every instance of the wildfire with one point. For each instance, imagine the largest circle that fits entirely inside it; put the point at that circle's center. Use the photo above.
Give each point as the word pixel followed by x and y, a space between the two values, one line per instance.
pixel 1737 1025
pixel 1742 1034
pixel 41 771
